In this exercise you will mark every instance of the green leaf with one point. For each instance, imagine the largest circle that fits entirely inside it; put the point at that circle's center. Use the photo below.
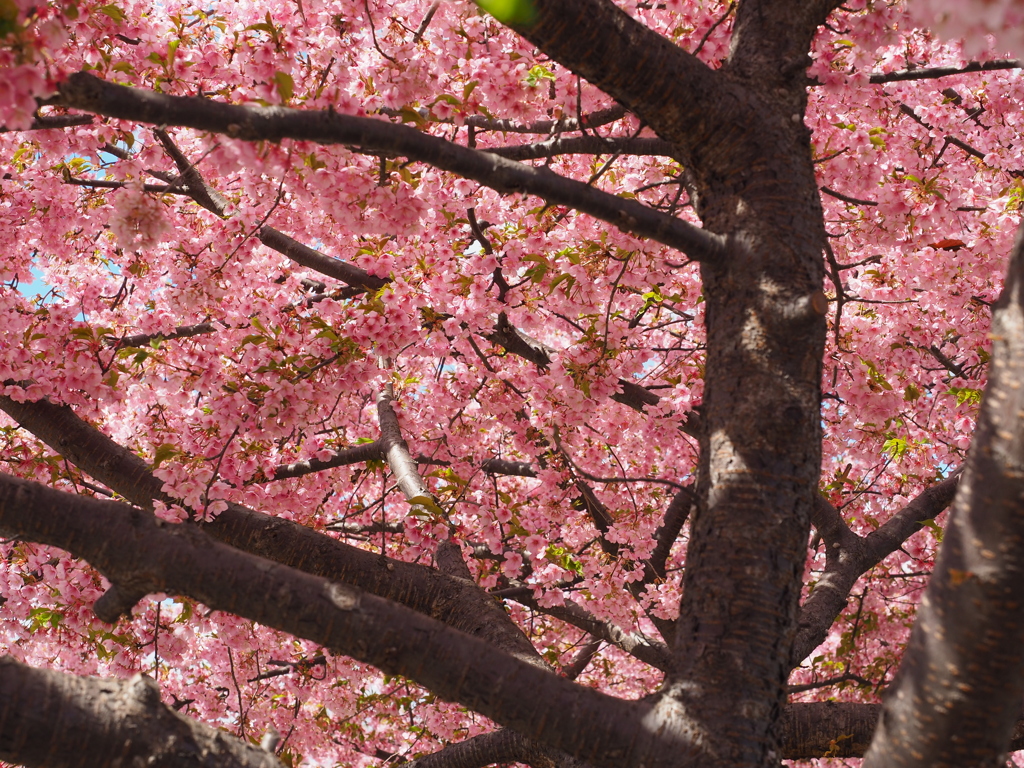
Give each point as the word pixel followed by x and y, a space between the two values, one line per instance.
pixel 112 11
pixel 8 17
pixel 285 85
pixel 934 527
pixel 895 447
pixel 163 453
pixel 510 11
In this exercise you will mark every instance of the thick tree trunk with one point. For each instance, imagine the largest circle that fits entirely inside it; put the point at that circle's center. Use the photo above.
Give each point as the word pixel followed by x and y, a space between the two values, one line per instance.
pixel 959 689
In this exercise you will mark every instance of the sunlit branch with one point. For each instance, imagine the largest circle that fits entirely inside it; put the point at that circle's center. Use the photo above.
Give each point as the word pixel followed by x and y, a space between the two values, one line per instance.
pixel 86 92
pixel 396 452
pixel 460 604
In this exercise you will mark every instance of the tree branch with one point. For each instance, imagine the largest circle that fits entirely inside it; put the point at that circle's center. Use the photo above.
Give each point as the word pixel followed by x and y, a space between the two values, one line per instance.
pixel 675 517
pixel 305 256
pixel 848 556
pixel 590 144
pixel 396 452
pixel 961 672
pixel 648 651
pixel 458 603
pixel 936 72
pixel 144 339
pixel 48 718
pixel 356 454
pixel 549 127
pixel 130 547
pixel 86 92
pixel 45 122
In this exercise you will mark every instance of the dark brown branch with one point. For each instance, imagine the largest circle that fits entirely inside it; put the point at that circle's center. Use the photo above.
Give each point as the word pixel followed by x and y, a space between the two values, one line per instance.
pixel 590 144
pixel 848 556
pixel 675 516
pixel 197 188
pixel 356 454
pixel 145 339
pixel 648 651
pixel 586 654
pixel 130 547
pixel 458 603
pixel 213 201
pixel 306 257
pixel 515 342
pixel 513 468
pixel 847 198
pixel 936 72
pixel 65 721
pixel 951 366
pixel 86 92
pixel 46 122
pixel 159 189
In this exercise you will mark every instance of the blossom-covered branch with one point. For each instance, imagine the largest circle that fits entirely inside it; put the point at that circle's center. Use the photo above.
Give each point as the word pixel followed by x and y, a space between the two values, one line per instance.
pixel 140 554
pixel 87 92
pixel 849 556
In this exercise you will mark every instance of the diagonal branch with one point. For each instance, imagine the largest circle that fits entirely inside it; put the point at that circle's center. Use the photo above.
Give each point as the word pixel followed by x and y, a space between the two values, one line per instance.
pixel 456 602
pixel 46 718
pixel 676 514
pixel 143 555
pixel 356 454
pixel 651 652
pixel 849 556
pixel 396 452
pixel 86 92
pixel 962 672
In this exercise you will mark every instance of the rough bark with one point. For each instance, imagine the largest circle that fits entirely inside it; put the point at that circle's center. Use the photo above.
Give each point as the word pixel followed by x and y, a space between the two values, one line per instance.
pixel 742 134
pixel 54 720
pixel 959 688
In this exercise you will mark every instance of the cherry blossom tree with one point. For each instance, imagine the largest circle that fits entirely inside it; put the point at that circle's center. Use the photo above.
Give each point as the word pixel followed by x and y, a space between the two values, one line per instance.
pixel 558 382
